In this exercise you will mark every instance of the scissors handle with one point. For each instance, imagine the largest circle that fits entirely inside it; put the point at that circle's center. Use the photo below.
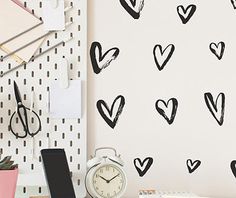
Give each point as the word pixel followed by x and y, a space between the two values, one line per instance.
pixel 24 122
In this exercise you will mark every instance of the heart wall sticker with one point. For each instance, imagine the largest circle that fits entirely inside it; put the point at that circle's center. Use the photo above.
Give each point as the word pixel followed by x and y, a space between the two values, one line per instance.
pixel 111 115
pixel 192 165
pixel 171 105
pixel 133 7
pixel 217 107
pixel 101 61
pixel 161 56
pixel 185 14
pixel 143 166
pixel 233 167
pixel 217 49
pixel 233 3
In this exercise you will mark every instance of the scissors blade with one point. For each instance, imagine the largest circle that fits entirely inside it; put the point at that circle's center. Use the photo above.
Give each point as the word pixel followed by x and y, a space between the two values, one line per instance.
pixel 17 93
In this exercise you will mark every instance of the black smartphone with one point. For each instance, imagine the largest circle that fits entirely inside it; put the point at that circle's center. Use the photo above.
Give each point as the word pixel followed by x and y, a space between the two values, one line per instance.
pixel 57 173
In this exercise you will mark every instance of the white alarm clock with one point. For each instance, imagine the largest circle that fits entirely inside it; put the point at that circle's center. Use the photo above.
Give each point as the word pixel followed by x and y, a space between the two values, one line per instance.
pixel 105 177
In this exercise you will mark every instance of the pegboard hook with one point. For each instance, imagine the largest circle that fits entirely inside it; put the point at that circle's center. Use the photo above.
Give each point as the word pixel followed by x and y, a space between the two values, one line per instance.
pixel 54 3
pixel 31 102
pixel 64 77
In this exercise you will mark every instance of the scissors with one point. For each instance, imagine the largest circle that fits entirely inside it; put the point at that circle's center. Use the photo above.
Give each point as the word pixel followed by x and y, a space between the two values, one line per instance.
pixel 21 112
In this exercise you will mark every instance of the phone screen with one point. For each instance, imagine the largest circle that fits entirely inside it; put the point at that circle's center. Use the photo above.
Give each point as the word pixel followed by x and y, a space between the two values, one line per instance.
pixel 57 173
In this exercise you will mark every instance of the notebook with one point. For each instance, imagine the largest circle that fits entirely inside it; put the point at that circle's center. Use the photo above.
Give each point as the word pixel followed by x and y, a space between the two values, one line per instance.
pixel 14 20
pixel 162 194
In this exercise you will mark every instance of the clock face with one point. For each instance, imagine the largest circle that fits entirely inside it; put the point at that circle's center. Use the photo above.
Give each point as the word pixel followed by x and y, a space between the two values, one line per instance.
pixel 109 181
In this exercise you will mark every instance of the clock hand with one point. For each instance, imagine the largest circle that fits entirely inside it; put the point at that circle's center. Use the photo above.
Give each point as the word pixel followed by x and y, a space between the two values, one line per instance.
pixel 104 179
pixel 113 178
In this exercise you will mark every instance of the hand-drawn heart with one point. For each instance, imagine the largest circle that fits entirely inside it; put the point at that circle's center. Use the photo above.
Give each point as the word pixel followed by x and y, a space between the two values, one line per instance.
pixel 161 56
pixel 162 112
pixel 216 109
pixel 233 3
pixel 112 117
pixel 100 61
pixel 233 167
pixel 218 49
pixel 192 165
pixel 186 13
pixel 143 166
pixel 134 8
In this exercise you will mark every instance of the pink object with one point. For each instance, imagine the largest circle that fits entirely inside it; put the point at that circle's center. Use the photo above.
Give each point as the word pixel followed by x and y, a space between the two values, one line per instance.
pixel 8 180
pixel 19 3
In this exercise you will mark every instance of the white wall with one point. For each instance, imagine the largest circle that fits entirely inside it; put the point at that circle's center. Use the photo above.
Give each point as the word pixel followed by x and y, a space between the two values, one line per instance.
pixel 192 71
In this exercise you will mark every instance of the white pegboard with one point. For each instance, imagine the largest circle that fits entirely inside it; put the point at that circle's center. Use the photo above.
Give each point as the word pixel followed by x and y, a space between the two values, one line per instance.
pixel 69 134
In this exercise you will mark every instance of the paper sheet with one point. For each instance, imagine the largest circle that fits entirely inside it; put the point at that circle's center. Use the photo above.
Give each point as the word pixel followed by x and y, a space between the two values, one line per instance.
pixel 19 20
pixel 65 103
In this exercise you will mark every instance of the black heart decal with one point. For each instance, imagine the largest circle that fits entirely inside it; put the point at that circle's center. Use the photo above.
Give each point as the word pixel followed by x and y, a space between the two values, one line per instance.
pixel 100 61
pixel 218 49
pixel 161 56
pixel 186 13
pixel 143 166
pixel 192 165
pixel 101 104
pixel 134 9
pixel 216 109
pixel 233 167
pixel 233 3
pixel 162 112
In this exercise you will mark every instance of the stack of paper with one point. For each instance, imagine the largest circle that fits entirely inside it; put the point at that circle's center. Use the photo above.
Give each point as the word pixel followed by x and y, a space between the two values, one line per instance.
pixel 14 20
pixel 159 194
pixel 181 196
